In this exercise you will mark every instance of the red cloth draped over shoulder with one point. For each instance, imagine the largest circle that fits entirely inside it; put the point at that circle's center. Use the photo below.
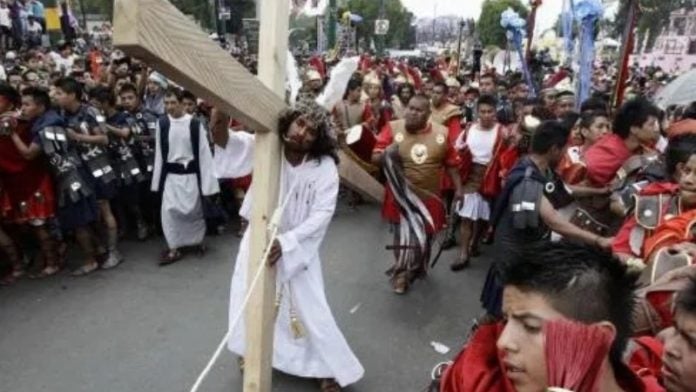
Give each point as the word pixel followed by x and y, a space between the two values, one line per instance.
pixel 478 367
pixel 454 127
pixel 681 127
pixel 604 158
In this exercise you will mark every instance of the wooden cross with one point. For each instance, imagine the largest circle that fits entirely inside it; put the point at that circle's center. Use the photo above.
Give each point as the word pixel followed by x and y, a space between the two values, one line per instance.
pixel 159 34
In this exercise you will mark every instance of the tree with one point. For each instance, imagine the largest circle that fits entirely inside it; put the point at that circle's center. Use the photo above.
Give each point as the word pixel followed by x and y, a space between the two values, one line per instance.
pixel 490 30
pixel 399 20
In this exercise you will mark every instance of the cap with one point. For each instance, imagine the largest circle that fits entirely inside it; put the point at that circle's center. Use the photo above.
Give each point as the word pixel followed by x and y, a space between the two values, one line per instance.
pixel 159 79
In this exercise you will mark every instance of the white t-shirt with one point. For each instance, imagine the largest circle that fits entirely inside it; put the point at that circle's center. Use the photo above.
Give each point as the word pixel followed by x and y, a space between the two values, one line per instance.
pixel 481 143
pixel 62 63
pixel 5 17
pixel 35 27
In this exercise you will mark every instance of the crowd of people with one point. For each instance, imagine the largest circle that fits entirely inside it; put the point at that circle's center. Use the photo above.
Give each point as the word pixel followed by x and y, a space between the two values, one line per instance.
pixel 586 208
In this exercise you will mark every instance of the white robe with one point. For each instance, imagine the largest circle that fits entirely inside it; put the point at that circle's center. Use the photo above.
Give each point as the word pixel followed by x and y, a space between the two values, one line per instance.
pixel 323 352
pixel 183 223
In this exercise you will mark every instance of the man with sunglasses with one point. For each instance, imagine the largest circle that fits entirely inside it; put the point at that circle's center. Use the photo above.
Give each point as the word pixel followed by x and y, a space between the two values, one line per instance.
pixel 308 343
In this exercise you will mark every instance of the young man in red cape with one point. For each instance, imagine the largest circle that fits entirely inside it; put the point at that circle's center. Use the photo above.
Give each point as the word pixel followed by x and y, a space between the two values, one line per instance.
pixel 635 130
pixel 550 283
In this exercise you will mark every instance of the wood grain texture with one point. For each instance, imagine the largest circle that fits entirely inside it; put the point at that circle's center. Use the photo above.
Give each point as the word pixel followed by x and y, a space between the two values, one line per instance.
pixel 356 178
pixel 158 33
pixel 260 314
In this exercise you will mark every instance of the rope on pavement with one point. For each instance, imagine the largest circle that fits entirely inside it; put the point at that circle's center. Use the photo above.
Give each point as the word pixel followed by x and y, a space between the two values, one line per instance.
pixel 236 319
pixel 274 226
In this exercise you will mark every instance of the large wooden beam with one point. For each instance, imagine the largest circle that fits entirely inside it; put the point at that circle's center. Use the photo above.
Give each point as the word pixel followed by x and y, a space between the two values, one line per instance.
pixel 260 313
pixel 158 33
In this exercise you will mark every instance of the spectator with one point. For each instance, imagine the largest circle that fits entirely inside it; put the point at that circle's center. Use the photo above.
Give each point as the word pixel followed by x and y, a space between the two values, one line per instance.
pixel 5 27
pixel 37 11
pixel 154 96
pixel 34 32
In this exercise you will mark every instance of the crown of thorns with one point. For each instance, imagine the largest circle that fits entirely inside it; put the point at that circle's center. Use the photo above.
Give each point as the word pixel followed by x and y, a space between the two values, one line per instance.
pixel 314 113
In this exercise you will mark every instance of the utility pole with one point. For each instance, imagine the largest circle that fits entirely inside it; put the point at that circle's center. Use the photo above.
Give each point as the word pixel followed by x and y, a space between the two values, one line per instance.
pixel 223 15
pixel 84 14
pixel 434 19
pixel 459 45
pixel 331 30
pixel 382 38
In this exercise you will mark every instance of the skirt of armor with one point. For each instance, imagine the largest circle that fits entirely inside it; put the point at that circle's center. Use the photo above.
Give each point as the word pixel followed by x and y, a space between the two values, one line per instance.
pixel 78 214
pixel 105 191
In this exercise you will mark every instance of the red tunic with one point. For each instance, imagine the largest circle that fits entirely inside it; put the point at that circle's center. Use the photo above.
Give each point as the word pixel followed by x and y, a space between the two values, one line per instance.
pixel 28 192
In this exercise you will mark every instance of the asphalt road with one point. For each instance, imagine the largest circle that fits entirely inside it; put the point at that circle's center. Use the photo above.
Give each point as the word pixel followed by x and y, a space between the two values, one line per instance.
pixel 149 329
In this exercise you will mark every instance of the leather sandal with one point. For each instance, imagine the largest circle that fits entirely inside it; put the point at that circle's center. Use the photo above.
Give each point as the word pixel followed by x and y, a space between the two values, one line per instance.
pixel 329 385
pixel 400 284
pixel 460 264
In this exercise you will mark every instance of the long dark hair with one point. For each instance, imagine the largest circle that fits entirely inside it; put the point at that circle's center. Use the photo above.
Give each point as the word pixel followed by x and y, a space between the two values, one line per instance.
pixel 324 145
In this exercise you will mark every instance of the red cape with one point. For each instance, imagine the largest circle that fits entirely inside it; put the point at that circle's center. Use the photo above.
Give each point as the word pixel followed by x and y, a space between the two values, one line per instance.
pixel 605 158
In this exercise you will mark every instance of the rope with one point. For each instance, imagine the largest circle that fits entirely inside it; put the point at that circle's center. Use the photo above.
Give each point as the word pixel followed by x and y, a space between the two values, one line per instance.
pixel 274 226
pixel 237 317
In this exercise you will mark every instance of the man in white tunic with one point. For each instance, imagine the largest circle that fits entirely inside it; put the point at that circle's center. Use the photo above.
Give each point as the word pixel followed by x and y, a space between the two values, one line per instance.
pixel 307 340
pixel 183 171
pixel 480 146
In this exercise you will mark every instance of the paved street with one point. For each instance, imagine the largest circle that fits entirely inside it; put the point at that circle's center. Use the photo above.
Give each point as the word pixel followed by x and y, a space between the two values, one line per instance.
pixel 149 329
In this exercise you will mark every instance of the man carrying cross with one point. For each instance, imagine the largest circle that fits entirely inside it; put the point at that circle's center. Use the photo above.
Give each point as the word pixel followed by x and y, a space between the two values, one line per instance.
pixel 307 342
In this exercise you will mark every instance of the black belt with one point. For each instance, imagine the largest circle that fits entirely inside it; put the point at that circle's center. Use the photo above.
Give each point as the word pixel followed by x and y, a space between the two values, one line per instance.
pixel 178 168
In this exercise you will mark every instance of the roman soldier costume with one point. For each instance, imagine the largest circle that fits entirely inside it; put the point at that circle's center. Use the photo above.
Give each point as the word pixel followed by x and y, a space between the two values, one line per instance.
pixel 28 190
pixel 413 168
pixel 95 158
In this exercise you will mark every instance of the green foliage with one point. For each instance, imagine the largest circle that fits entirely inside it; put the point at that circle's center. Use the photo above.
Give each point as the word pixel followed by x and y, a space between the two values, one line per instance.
pixel 400 20
pixel 490 30
pixel 199 9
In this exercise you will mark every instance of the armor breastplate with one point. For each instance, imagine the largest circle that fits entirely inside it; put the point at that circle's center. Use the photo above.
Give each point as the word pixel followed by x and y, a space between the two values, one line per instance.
pixel 94 157
pixel 423 156
pixel 65 163
pixel 143 125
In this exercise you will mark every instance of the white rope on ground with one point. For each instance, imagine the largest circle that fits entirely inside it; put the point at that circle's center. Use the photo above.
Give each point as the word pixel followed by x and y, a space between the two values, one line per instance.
pixel 274 226
pixel 237 317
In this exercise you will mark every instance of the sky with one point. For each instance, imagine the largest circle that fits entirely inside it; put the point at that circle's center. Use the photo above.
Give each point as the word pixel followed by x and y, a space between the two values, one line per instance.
pixel 546 16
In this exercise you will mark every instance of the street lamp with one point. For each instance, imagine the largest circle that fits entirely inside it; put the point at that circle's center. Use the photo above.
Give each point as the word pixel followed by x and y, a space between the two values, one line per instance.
pixel 478 53
pixel 462 24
